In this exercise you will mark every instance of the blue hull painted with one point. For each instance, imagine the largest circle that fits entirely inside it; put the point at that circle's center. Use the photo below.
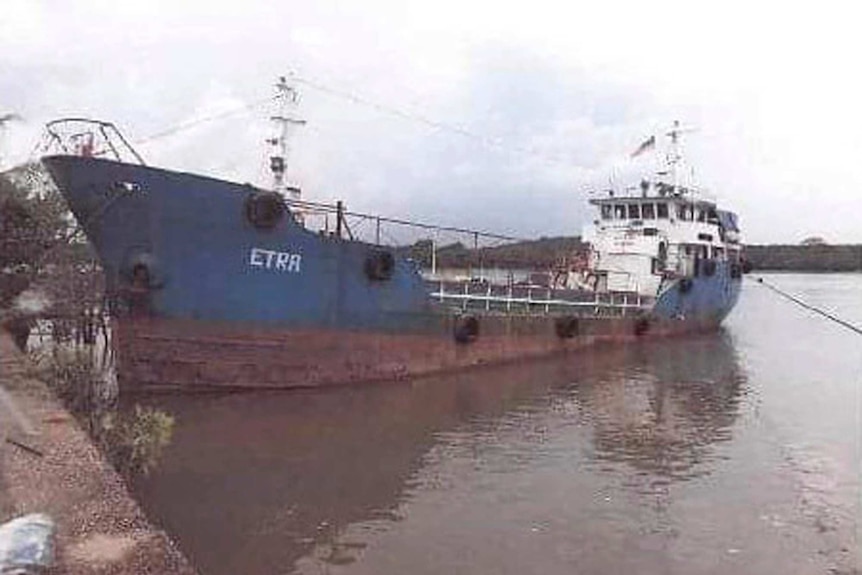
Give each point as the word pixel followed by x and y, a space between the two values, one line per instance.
pixel 209 262
pixel 233 304
pixel 708 299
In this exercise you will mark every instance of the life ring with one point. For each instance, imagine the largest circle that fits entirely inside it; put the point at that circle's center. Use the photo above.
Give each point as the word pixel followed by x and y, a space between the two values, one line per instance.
pixel 567 327
pixel 641 326
pixel 466 329
pixel 379 265
pixel 685 285
pixel 264 209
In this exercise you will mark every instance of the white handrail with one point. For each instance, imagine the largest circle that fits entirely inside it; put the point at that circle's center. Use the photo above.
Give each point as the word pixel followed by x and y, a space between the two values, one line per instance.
pixel 510 299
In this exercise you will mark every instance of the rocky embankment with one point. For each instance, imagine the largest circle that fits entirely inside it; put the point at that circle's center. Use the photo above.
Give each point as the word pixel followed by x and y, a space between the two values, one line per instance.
pixel 52 467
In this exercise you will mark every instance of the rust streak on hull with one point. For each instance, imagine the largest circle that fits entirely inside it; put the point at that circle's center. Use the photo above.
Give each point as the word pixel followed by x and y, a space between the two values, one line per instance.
pixel 187 354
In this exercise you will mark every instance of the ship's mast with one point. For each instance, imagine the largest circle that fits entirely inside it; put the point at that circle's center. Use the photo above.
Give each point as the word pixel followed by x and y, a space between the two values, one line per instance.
pixel 287 99
pixel 674 155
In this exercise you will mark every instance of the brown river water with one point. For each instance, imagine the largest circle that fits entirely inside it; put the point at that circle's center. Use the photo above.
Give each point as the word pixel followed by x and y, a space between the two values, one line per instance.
pixel 733 452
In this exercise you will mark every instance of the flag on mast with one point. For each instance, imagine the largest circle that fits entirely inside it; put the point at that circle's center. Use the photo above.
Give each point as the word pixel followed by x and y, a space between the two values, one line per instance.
pixel 649 144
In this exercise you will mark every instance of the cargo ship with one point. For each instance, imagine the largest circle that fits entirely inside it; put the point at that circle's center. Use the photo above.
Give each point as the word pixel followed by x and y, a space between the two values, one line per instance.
pixel 220 285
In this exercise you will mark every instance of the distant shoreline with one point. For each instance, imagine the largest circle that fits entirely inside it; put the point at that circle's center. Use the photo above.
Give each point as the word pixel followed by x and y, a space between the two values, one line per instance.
pixel 799 258
pixel 545 252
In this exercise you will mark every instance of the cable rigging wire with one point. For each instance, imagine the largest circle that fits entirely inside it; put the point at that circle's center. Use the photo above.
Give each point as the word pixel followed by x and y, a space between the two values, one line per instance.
pixel 810 307
pixel 211 118
pixel 393 111
pixel 484 140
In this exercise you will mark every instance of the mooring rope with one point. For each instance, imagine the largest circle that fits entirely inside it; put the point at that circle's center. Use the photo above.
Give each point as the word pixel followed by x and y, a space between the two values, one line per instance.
pixel 808 306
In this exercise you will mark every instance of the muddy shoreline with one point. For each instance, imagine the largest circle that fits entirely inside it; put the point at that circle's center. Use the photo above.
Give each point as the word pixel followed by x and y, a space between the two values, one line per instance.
pixel 59 471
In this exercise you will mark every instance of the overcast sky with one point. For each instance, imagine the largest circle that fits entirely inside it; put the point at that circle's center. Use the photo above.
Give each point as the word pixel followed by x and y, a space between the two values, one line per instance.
pixel 558 95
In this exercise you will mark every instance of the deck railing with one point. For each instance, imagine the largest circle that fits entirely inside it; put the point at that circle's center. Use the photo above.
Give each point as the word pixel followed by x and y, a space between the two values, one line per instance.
pixel 379 229
pixel 87 137
pixel 431 246
pixel 537 299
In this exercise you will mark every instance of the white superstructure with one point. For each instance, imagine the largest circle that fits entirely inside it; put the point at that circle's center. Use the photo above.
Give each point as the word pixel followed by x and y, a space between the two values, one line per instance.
pixel 664 231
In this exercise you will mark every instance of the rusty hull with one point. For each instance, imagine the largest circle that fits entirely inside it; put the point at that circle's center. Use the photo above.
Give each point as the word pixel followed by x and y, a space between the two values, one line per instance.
pixel 159 354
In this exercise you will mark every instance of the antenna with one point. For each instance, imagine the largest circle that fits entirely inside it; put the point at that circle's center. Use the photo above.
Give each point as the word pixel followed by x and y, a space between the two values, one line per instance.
pixel 287 99
pixel 674 154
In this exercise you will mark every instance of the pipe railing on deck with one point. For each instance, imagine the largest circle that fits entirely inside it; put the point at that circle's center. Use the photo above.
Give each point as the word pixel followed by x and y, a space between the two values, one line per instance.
pixel 622 303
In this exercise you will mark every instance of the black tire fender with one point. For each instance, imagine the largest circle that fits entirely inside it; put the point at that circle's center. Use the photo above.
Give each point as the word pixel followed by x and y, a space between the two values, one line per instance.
pixel 264 209
pixel 466 329
pixel 379 265
pixel 141 269
pixel 567 327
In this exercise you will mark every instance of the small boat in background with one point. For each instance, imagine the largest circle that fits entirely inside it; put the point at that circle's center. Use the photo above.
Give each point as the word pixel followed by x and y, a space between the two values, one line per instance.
pixel 215 284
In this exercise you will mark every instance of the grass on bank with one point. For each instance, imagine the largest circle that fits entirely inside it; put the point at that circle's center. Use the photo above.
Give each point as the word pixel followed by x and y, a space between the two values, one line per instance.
pixel 133 441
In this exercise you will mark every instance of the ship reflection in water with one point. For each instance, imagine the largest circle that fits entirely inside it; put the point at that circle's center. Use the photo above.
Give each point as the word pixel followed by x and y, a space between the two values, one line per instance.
pixel 523 468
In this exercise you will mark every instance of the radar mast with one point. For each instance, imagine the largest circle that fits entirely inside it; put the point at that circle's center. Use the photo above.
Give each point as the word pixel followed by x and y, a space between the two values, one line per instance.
pixel 287 100
pixel 674 155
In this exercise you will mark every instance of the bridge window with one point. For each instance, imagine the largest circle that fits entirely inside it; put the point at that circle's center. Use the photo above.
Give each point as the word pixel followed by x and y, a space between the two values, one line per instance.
pixel 701 215
pixel 661 210
pixel 619 212
pixel 712 216
pixel 607 211
pixel 634 211
pixel 685 212
pixel 648 211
